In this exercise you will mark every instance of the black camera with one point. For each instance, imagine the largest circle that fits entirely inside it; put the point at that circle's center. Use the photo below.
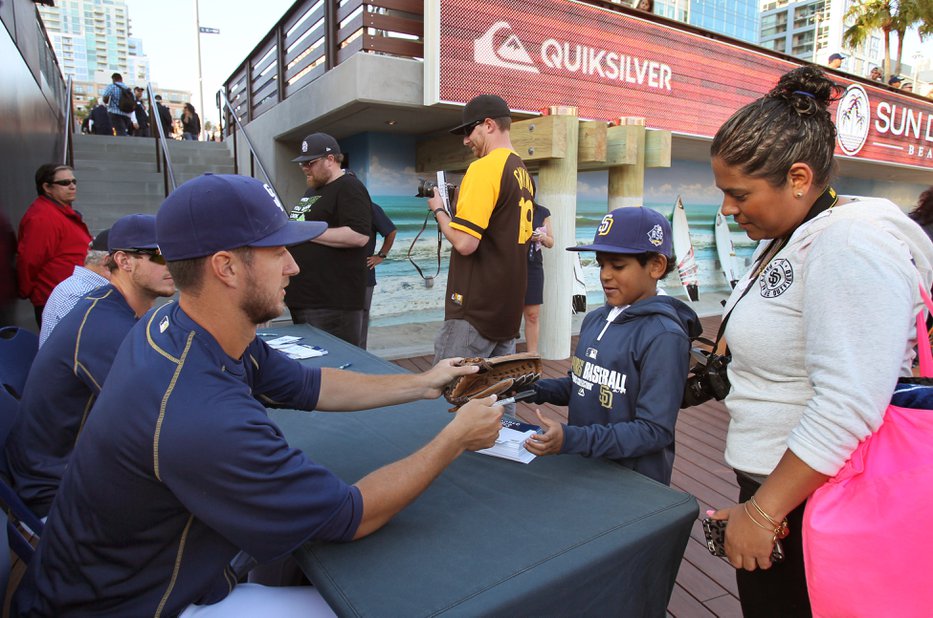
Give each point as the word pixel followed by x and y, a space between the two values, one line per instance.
pixel 426 188
pixel 708 379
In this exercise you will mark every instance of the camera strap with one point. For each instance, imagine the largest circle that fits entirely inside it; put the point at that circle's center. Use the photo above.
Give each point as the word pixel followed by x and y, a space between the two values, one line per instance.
pixel 429 280
pixel 827 199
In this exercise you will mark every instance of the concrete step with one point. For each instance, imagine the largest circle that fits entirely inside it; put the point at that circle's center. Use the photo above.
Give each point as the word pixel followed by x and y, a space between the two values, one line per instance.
pixel 136 172
pixel 118 174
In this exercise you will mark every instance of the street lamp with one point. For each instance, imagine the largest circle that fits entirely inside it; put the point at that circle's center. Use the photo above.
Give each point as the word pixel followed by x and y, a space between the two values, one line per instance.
pixel 197 25
pixel 917 57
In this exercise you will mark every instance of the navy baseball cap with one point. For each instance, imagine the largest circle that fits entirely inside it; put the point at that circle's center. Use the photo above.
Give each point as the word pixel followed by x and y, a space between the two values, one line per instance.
pixel 219 212
pixel 316 146
pixel 836 56
pixel 895 79
pixel 133 232
pixel 631 230
pixel 480 108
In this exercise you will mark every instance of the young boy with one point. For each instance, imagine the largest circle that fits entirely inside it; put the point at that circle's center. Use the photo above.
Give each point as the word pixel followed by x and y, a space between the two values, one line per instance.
pixel 627 374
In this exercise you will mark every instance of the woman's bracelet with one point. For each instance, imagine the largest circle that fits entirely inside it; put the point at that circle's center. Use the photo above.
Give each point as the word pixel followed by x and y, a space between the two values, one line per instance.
pixel 780 529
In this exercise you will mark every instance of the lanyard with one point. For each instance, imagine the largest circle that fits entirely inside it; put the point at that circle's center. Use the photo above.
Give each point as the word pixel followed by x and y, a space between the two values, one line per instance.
pixel 428 279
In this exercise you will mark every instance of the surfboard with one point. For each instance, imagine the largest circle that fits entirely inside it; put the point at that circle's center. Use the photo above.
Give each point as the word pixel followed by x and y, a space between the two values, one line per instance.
pixel 578 300
pixel 725 249
pixel 683 252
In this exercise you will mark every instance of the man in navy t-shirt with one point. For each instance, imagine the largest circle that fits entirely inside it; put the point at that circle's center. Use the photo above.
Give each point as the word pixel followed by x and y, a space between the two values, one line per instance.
pixel 179 467
pixel 66 377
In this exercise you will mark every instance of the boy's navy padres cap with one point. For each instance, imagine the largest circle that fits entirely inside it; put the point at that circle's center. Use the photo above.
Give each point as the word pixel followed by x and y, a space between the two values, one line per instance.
pixel 133 232
pixel 219 212
pixel 631 230
pixel 315 146
pixel 480 108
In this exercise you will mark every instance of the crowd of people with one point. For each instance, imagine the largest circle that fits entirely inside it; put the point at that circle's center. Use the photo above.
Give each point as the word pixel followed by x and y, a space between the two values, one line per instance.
pixel 178 466
pixel 875 74
pixel 123 111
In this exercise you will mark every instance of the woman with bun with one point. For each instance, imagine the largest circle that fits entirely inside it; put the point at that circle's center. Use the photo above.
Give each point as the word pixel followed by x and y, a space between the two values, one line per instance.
pixel 819 329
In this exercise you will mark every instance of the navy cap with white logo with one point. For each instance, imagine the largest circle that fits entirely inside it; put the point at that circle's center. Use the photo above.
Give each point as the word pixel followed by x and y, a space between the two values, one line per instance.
pixel 631 231
pixel 219 212
pixel 315 146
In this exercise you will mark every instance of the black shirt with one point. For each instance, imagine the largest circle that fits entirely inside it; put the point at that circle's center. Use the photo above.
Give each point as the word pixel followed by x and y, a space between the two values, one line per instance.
pixel 332 278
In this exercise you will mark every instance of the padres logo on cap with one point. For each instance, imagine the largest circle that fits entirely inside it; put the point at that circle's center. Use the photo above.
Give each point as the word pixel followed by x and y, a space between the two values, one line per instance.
pixel 605 225
pixel 275 198
pixel 304 146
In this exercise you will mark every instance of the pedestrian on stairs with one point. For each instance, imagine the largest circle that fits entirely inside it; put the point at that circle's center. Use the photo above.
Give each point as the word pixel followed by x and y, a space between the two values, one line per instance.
pixel 111 96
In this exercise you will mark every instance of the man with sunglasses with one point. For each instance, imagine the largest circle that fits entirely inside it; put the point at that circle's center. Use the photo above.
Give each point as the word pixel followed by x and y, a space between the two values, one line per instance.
pixel 329 292
pixel 68 372
pixel 53 238
pixel 489 230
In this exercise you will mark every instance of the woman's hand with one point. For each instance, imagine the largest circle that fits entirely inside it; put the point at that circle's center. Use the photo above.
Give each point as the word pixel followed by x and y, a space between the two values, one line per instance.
pixel 748 546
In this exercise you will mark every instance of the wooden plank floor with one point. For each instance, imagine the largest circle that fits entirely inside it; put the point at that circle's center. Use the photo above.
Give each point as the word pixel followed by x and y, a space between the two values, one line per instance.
pixel 705 584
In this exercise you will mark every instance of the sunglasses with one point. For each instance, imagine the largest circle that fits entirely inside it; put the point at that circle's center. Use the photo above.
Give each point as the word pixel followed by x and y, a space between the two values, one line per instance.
pixel 467 130
pixel 65 183
pixel 155 256
pixel 307 164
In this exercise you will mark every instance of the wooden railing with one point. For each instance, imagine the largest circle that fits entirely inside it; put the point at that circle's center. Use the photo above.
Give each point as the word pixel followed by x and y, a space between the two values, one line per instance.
pixel 315 36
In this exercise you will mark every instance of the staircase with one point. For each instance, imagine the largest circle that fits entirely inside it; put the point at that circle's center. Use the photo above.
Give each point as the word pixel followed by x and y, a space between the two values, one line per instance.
pixel 117 175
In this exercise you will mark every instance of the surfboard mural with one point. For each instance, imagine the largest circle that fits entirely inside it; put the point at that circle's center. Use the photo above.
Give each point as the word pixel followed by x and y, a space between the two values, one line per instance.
pixel 725 250
pixel 683 252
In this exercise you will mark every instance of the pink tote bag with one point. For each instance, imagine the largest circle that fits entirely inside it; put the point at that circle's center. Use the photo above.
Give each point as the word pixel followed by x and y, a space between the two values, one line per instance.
pixel 868 532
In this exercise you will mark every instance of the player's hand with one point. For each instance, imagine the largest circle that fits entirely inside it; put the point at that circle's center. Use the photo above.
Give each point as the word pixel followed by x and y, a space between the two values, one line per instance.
pixel 476 424
pixel 441 374
pixel 435 202
pixel 550 441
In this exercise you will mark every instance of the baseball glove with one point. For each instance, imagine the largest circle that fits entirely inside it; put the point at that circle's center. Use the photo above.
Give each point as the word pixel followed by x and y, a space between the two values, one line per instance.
pixel 500 375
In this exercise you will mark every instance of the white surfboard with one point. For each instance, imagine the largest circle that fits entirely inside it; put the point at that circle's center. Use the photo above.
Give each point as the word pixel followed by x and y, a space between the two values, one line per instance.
pixel 725 249
pixel 578 300
pixel 683 252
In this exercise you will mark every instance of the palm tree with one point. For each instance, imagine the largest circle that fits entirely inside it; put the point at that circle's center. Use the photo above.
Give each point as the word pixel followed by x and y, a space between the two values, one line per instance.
pixel 889 16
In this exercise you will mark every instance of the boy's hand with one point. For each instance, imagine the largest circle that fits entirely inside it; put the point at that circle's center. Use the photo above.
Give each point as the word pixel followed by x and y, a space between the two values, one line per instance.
pixel 549 442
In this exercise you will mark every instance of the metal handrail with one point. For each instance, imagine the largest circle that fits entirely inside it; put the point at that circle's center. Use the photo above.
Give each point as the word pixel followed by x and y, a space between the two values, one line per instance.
pixel 67 149
pixel 155 118
pixel 252 151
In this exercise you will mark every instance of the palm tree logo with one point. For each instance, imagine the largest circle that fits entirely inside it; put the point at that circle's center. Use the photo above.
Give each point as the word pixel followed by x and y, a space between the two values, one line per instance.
pixel 853 120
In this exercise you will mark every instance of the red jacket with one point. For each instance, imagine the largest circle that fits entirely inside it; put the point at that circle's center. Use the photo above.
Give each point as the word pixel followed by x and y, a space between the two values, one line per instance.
pixel 53 239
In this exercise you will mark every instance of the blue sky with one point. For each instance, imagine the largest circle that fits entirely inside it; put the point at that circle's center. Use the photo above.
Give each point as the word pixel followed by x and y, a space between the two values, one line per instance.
pixel 167 29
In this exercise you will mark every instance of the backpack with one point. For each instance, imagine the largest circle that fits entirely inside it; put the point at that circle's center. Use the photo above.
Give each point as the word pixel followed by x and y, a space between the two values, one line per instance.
pixel 127 102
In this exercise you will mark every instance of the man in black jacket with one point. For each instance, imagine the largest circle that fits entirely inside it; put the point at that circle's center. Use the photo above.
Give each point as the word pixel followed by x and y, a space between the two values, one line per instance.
pixel 165 117
pixel 142 117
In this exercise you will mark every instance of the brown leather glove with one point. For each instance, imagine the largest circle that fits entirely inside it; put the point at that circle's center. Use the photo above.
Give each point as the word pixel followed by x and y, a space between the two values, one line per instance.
pixel 499 375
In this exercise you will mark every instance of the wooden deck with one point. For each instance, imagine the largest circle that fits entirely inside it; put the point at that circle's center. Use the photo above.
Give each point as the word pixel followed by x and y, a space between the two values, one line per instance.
pixel 705 584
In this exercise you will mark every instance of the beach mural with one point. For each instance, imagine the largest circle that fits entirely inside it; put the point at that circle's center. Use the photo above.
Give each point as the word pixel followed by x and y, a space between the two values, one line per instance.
pixel 385 163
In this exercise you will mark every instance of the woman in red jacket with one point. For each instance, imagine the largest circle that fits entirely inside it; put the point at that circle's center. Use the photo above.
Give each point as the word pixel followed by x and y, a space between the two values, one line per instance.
pixel 53 238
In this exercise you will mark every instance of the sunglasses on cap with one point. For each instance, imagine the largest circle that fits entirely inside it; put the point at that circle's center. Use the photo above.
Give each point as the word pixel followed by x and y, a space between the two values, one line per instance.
pixel 155 256
pixel 65 183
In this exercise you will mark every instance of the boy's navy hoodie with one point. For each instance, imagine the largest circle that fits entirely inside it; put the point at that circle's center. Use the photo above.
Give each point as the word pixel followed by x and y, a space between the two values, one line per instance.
pixel 625 384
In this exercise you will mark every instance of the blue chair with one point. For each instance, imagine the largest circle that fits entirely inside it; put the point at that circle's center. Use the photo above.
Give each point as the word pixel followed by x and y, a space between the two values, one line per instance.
pixel 18 348
pixel 9 408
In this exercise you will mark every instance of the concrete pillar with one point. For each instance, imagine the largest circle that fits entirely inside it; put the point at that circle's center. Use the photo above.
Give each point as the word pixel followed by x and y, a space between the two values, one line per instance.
pixel 557 190
pixel 627 182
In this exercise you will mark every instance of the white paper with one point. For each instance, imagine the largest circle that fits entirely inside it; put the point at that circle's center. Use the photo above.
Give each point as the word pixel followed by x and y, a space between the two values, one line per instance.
pixel 511 445
pixel 299 352
pixel 279 342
